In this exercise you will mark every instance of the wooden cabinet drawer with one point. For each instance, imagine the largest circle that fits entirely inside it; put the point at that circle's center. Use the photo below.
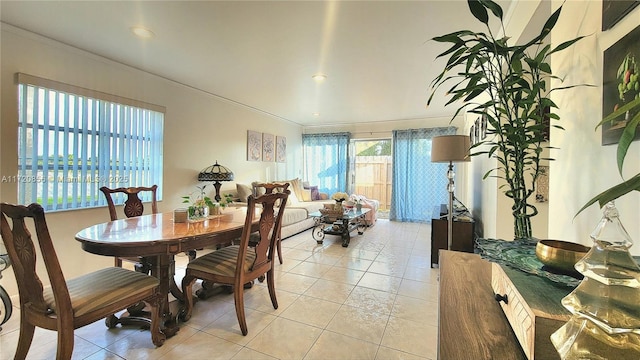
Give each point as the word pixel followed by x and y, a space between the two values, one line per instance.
pixel 532 307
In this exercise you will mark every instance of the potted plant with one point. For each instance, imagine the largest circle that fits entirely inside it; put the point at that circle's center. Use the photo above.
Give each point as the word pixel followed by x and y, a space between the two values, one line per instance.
pixel 200 206
pixel 507 84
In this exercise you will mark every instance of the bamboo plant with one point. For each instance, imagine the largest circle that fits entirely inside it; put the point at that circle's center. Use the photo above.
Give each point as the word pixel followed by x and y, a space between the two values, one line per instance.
pixel 509 85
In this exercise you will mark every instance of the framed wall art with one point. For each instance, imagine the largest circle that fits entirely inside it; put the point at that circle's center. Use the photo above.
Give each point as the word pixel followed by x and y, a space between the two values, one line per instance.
pixel 254 146
pixel 472 135
pixel 483 127
pixel 281 149
pixel 620 83
pixel 268 147
pixel 614 10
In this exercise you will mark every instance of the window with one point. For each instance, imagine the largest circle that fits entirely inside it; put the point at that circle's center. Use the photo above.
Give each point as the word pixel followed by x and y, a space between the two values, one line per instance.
pixel 72 141
pixel 326 160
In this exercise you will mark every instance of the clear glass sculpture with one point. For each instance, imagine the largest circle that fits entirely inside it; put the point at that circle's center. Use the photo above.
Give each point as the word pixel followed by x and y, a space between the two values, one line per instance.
pixel 605 306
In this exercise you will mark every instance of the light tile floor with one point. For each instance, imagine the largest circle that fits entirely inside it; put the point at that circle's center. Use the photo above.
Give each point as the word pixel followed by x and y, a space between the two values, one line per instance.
pixel 376 299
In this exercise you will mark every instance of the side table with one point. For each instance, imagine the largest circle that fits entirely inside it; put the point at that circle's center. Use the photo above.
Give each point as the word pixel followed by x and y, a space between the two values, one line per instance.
pixel 462 238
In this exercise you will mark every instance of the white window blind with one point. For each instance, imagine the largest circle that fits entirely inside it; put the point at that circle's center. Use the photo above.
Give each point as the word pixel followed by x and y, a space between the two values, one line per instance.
pixel 72 141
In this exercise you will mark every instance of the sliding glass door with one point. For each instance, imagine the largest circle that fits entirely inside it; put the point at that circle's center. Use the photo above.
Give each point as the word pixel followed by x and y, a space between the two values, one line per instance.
pixel 370 173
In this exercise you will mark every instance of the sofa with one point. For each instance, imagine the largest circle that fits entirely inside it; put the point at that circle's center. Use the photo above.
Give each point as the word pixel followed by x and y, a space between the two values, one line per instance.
pixel 303 200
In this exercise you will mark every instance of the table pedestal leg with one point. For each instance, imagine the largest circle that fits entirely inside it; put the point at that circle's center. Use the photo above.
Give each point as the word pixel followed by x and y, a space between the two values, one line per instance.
pixel 162 267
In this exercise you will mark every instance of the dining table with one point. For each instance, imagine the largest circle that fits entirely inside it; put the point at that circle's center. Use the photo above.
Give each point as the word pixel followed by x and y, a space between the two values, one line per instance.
pixel 157 238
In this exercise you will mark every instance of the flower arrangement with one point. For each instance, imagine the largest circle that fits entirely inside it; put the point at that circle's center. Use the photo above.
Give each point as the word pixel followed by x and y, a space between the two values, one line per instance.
pixel 340 196
pixel 357 199
pixel 199 207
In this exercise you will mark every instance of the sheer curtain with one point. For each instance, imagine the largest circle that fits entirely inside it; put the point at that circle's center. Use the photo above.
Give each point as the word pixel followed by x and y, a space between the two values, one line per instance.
pixel 326 160
pixel 418 184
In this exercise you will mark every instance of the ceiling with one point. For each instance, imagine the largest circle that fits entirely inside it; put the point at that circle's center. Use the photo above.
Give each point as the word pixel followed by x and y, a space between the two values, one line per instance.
pixel 377 55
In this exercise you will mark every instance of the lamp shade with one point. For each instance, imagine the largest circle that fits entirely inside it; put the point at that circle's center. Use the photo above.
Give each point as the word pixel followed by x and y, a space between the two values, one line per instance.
pixel 216 172
pixel 450 148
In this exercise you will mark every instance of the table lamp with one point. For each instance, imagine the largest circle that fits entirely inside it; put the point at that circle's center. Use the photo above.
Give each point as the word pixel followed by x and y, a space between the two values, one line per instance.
pixel 216 173
pixel 450 148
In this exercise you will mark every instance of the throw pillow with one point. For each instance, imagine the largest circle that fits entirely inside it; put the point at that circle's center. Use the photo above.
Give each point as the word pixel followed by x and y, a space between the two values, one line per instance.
pixel 257 190
pixel 243 192
pixel 306 195
pixel 315 193
pixel 296 187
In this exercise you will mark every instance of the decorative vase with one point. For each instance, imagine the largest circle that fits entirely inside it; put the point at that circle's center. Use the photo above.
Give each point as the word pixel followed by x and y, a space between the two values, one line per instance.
pixel 198 212
pixel 605 322
pixel 359 207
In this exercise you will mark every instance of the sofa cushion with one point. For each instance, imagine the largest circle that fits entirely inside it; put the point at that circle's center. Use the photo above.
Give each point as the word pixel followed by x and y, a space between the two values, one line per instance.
pixel 243 192
pixel 293 215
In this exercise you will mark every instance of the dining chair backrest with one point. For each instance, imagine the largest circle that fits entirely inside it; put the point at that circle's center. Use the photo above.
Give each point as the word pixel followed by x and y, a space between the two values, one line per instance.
pixel 65 306
pixel 270 188
pixel 269 228
pixel 133 205
pixel 22 254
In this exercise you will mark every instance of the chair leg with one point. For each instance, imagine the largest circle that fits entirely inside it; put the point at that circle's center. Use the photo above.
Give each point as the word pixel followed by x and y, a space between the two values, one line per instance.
pixel 238 297
pixel 65 342
pixel 187 291
pixel 279 247
pixel 272 287
pixel 25 338
pixel 117 262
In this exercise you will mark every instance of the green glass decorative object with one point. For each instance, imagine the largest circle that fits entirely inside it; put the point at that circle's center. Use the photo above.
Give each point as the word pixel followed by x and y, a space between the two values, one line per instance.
pixel 605 306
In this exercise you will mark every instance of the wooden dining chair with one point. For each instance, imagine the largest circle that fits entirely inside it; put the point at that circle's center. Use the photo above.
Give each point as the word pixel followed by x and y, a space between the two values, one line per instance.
pixel 236 265
pixel 268 189
pixel 67 305
pixel 133 207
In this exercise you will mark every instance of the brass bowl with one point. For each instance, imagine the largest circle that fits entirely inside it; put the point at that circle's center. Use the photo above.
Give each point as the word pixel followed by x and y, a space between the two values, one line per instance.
pixel 560 255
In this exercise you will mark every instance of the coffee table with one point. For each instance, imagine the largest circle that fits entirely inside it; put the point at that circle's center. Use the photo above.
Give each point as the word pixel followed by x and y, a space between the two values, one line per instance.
pixel 342 225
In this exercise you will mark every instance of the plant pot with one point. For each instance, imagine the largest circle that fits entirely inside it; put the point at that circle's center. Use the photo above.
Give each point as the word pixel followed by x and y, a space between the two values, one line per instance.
pixel 198 212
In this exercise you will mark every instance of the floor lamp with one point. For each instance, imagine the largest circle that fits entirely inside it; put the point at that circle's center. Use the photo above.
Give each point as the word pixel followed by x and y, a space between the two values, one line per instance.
pixel 450 148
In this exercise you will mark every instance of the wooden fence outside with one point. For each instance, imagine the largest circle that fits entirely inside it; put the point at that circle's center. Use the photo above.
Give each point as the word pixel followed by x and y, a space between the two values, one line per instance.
pixel 373 176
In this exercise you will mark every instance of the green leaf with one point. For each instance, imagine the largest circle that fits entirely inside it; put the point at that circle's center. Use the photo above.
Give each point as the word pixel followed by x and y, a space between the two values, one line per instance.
pixel 621 111
pixel 551 22
pixel 565 45
pixel 479 11
pixel 614 192
pixel 628 134
pixel 494 7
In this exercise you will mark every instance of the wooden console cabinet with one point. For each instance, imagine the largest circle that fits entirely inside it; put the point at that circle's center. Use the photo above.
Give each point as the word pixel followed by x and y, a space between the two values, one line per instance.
pixel 471 324
pixel 461 240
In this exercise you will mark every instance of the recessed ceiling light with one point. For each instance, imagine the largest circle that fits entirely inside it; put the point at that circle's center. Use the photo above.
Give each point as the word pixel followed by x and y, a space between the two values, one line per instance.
pixel 319 77
pixel 316 114
pixel 142 32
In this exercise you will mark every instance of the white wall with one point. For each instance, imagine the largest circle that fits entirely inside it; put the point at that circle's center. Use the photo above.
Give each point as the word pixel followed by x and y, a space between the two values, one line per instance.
pixel 584 168
pixel 200 128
